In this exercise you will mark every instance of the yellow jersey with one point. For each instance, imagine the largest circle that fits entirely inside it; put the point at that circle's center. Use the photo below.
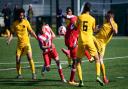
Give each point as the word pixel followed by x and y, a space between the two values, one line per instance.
pixel 105 34
pixel 21 29
pixel 86 24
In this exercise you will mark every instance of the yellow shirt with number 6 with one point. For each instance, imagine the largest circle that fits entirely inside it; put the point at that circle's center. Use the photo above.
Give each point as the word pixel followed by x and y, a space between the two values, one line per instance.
pixel 86 23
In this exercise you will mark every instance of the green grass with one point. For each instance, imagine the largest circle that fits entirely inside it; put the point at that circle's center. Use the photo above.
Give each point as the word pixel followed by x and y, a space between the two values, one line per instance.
pixel 116 68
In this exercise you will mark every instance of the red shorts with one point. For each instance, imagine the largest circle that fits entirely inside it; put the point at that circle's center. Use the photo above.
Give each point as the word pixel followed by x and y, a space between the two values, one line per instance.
pixel 73 52
pixel 71 38
pixel 49 55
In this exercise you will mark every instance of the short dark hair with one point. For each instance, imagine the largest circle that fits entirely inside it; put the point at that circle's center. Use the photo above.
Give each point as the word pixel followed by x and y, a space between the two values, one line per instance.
pixel 67 9
pixel 87 7
pixel 110 12
pixel 20 10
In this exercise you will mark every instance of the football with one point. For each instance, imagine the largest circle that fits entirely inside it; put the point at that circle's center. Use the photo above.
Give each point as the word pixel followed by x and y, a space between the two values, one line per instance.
pixel 62 30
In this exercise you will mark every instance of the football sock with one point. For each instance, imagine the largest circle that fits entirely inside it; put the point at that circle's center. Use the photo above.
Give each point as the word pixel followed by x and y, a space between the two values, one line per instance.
pixel 18 68
pixel 32 65
pixel 103 70
pixel 61 73
pixel 79 70
pixel 98 69
pixel 60 69
pixel 73 71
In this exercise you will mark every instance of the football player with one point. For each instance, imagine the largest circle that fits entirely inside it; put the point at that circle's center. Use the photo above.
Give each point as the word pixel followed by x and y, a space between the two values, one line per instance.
pixel 45 37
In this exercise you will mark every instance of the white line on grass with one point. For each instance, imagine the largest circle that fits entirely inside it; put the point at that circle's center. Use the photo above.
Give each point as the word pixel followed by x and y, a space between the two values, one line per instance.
pixel 120 77
pixel 23 63
pixel 29 66
pixel 62 62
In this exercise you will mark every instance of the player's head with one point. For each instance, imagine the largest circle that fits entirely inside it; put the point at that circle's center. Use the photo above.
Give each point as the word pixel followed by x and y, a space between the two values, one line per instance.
pixel 69 11
pixel 44 22
pixel 21 14
pixel 42 30
pixel 87 7
pixel 109 15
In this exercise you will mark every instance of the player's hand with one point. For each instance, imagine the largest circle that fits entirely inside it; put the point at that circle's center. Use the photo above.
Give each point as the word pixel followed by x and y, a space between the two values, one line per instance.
pixel 110 20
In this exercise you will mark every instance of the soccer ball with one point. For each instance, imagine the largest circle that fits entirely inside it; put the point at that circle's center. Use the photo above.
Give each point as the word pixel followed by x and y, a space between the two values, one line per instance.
pixel 62 30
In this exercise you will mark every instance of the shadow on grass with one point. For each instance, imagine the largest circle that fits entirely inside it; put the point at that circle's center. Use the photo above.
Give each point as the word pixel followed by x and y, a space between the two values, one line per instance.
pixel 29 82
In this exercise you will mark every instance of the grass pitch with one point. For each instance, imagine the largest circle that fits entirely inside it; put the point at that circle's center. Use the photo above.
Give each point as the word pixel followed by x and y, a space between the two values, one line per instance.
pixel 116 61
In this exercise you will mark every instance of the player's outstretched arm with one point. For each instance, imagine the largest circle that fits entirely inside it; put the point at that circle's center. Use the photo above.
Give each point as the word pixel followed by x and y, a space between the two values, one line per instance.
pixel 33 33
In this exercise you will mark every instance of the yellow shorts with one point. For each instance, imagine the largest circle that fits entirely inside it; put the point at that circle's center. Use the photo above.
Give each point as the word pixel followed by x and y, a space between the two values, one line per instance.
pixel 100 45
pixel 89 45
pixel 23 50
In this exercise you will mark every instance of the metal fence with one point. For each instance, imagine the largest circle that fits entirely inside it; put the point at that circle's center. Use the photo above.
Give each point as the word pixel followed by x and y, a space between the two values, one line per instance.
pixel 47 9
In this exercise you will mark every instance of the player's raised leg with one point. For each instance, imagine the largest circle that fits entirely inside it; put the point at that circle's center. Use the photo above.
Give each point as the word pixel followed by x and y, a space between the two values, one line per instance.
pixel 90 59
pixel 67 53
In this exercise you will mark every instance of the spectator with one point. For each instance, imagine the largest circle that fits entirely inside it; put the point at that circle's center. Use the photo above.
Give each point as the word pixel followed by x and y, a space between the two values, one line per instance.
pixel 59 19
pixel 15 16
pixel 30 14
pixel 6 11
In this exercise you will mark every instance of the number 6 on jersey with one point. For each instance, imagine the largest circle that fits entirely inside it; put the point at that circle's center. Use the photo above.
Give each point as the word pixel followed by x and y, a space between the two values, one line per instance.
pixel 85 27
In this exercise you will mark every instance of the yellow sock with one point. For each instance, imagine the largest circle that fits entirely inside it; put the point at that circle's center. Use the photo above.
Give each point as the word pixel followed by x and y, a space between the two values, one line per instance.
pixel 79 70
pixel 32 65
pixel 18 68
pixel 103 69
pixel 98 69
pixel 69 61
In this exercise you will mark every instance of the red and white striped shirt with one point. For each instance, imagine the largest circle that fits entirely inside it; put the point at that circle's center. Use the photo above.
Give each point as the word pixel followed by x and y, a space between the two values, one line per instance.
pixel 46 38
